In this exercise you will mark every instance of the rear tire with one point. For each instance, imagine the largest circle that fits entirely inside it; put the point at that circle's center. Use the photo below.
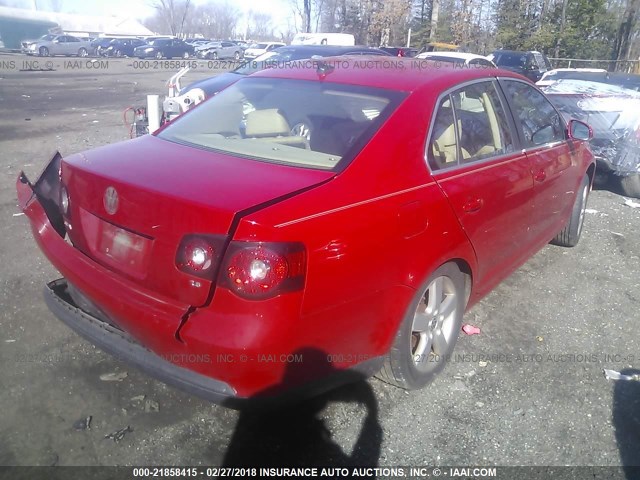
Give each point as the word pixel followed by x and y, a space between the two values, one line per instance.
pixel 429 331
pixel 630 185
pixel 569 236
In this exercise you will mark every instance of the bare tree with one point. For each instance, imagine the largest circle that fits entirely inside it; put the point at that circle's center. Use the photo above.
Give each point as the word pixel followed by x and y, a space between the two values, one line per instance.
pixel 55 5
pixel 626 31
pixel 260 26
pixel 390 21
pixel 173 13
pixel 213 20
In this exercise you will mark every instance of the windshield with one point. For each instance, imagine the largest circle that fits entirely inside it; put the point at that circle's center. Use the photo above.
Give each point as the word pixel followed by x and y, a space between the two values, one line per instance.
pixel 260 46
pixel 301 123
pixel 159 42
pixel 48 37
pixel 510 59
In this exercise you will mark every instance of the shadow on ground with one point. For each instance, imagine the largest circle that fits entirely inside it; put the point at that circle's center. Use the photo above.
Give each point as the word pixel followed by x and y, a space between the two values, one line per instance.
pixel 626 419
pixel 295 434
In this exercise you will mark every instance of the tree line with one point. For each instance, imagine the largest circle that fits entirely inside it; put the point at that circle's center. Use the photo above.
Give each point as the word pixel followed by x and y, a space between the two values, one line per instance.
pixel 587 29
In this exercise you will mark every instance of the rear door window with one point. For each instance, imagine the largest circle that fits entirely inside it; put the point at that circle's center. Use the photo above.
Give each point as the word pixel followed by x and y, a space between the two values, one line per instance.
pixel 475 128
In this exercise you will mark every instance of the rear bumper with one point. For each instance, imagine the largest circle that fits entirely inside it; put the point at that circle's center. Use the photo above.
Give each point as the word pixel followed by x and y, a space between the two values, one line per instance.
pixel 116 342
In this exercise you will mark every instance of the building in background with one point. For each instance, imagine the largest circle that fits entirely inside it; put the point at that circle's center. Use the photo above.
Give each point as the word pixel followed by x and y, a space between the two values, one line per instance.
pixel 18 24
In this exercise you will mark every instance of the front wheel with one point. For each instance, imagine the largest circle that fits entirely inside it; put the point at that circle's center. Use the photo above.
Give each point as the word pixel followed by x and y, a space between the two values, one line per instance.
pixel 185 55
pixel 159 55
pixel 569 236
pixel 429 331
pixel 236 56
pixel 630 185
pixel 83 52
pixel 44 52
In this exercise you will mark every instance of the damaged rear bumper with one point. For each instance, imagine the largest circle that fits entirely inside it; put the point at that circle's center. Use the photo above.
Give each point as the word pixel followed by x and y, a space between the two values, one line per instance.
pixel 116 342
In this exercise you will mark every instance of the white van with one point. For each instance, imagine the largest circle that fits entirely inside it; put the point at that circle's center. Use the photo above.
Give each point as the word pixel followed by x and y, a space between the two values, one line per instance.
pixel 324 39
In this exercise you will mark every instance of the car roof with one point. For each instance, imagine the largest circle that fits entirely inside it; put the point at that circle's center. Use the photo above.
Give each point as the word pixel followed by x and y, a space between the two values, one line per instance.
pixel 462 55
pixel 392 73
pixel 327 50
pixel 495 52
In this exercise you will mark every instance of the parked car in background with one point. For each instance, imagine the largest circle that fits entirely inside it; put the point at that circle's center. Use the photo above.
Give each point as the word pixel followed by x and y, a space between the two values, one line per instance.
pixel 50 45
pixel 164 48
pixel 401 51
pixel 123 47
pixel 323 39
pixel 257 49
pixel 614 115
pixel 222 49
pixel 593 74
pixel 620 79
pixel 100 44
pixel 241 43
pixel 237 258
pixel 531 64
pixel 276 58
pixel 459 58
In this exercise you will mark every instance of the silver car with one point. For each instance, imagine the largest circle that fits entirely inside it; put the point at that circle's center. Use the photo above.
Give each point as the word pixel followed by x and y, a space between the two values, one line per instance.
pixel 215 50
pixel 58 45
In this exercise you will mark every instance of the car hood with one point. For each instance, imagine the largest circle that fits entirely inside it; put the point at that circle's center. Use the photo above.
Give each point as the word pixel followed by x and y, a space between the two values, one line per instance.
pixel 211 86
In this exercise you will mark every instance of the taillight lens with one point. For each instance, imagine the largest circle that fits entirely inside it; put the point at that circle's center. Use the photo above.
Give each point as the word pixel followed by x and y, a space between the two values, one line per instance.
pixel 64 200
pixel 199 255
pixel 261 270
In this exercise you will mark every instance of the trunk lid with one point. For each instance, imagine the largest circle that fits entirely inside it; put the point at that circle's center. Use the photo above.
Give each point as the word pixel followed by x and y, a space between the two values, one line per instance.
pixel 131 203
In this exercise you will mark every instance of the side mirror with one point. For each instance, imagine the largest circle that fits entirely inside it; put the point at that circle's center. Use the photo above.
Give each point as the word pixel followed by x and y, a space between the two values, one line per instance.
pixel 579 130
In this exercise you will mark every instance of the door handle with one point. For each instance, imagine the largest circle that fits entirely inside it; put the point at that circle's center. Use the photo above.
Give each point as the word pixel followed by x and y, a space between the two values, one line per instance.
pixel 540 176
pixel 473 205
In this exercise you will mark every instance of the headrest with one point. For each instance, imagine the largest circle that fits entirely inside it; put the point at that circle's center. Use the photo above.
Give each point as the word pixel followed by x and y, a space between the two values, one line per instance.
pixel 266 123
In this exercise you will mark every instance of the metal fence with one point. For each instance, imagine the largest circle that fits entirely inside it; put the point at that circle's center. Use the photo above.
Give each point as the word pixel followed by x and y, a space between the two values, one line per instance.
pixel 626 66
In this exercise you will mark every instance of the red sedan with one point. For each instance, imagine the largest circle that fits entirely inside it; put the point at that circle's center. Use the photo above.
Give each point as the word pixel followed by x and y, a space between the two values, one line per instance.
pixel 306 223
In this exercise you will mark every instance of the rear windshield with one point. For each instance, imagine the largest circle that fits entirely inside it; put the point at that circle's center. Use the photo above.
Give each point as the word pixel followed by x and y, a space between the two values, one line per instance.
pixel 296 122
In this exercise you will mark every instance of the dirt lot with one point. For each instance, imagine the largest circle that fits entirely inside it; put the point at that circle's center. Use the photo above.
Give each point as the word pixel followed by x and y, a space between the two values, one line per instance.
pixel 548 330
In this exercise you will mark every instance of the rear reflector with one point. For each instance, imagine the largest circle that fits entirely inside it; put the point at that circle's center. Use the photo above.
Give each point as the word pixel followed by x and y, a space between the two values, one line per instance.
pixel 198 255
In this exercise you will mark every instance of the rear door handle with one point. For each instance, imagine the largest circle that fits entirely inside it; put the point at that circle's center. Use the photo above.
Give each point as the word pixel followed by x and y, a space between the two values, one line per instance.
pixel 472 205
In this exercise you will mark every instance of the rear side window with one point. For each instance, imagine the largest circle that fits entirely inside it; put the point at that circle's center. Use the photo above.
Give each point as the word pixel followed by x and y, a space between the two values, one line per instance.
pixel 540 122
pixel 475 128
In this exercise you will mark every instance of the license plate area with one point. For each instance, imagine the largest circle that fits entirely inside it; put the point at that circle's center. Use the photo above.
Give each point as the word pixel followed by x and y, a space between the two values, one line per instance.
pixel 115 246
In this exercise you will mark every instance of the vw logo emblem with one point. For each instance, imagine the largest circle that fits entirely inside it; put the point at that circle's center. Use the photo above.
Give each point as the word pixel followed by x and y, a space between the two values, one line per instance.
pixel 110 200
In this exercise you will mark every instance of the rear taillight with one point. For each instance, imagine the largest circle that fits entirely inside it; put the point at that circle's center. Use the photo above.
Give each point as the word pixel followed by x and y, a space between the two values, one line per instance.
pixel 199 254
pixel 260 270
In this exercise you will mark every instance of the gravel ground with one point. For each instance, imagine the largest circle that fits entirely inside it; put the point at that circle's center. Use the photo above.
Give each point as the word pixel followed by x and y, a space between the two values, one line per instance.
pixel 529 390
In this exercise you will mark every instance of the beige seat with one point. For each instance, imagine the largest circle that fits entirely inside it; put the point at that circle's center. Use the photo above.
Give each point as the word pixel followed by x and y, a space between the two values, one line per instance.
pixel 270 125
pixel 444 148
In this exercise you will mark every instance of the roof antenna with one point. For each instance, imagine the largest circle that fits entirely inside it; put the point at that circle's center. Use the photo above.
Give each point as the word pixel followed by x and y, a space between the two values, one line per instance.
pixel 323 69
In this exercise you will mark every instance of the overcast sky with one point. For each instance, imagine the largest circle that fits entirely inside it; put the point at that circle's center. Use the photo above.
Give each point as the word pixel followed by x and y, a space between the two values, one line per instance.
pixel 279 9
